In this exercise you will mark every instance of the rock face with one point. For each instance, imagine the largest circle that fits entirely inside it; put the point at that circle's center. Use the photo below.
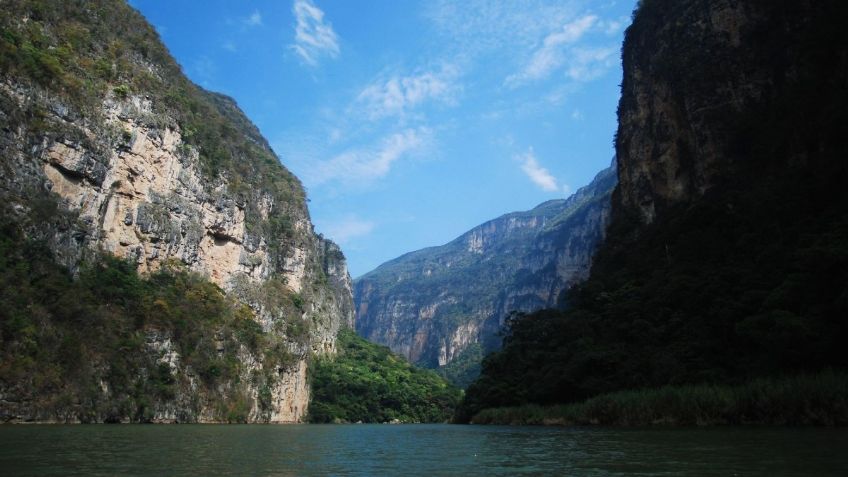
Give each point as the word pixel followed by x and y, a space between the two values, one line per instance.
pixel 685 111
pixel 135 172
pixel 431 305
pixel 725 256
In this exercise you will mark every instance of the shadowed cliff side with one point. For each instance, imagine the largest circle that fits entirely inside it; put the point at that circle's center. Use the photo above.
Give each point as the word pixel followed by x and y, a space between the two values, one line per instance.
pixel 725 259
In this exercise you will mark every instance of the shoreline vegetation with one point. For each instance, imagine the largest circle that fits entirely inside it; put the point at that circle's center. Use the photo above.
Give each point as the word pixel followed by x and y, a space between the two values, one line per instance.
pixel 819 399
pixel 367 383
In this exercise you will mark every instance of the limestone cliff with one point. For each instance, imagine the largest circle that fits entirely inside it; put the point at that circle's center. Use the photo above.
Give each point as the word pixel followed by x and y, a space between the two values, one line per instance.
pixel 433 304
pixel 96 118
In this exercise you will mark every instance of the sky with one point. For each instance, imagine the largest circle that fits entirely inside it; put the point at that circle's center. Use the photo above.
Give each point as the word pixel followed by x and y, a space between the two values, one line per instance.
pixel 410 122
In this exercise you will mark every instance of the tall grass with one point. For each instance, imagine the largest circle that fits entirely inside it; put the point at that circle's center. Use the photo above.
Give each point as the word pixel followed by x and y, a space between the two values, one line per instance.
pixel 810 400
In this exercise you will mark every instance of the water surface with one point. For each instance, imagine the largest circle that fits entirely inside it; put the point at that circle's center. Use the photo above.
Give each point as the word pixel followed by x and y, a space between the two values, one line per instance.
pixel 417 450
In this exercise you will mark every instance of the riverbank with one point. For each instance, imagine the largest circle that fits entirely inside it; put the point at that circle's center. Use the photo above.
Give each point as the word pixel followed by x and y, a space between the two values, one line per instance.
pixel 807 400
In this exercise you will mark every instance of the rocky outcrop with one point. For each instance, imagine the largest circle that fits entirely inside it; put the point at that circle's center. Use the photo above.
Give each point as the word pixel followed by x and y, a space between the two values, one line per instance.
pixel 431 305
pixel 125 171
pixel 695 84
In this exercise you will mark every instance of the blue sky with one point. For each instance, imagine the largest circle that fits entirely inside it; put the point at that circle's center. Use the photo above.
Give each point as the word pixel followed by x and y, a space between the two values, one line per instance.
pixel 410 122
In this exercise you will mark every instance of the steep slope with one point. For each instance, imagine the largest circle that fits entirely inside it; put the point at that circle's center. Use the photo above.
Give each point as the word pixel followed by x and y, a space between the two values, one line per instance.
pixel 434 304
pixel 726 256
pixel 107 148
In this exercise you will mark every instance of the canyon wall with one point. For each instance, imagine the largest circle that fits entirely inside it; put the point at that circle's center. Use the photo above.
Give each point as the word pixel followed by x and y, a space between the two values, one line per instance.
pixel 107 147
pixel 433 304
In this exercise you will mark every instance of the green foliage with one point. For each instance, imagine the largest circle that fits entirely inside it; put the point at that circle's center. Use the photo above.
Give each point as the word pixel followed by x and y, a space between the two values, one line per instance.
pixel 465 368
pixel 122 91
pixel 367 382
pixel 819 400
pixel 61 337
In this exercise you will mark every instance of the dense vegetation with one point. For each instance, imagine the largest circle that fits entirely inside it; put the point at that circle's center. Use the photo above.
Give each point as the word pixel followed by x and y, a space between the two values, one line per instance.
pixel 465 368
pixel 368 383
pixel 749 280
pixel 705 297
pixel 806 400
pixel 81 347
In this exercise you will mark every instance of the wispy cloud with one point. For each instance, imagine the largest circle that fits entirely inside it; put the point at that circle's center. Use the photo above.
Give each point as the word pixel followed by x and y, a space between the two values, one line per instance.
pixel 538 174
pixel 613 26
pixel 343 230
pixel 586 64
pixel 361 166
pixel 313 38
pixel 255 19
pixel 229 46
pixel 553 52
pixel 397 94
pixel 203 70
pixel 563 43
pixel 472 26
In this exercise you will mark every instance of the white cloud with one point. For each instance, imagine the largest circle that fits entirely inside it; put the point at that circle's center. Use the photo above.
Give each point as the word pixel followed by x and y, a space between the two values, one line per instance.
pixel 577 115
pixel 510 28
pixel 363 165
pixel 203 70
pixel 348 228
pixel 313 37
pixel 538 174
pixel 255 19
pixel 397 94
pixel 586 64
pixel 553 52
pixel 572 31
pixel 229 46
pixel 613 27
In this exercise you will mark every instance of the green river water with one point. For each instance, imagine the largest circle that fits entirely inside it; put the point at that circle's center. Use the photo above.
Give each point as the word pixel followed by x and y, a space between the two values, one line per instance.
pixel 417 450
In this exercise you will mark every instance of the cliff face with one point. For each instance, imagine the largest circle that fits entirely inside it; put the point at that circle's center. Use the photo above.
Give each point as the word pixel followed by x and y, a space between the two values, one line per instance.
pixel 433 304
pixel 98 122
pixel 699 79
pixel 724 260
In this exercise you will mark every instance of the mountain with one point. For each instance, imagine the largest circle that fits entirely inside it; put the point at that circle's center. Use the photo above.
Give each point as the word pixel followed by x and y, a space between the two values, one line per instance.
pixel 435 304
pixel 159 263
pixel 725 260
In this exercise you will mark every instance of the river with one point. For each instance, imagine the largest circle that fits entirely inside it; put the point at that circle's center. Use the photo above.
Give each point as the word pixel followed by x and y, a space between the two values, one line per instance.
pixel 417 450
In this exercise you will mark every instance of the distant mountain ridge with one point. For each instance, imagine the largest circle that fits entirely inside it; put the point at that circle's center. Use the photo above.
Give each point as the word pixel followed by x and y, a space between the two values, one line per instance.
pixel 433 304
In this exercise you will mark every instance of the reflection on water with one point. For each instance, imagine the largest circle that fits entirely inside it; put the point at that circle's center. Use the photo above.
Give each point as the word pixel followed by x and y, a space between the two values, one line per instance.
pixel 417 450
